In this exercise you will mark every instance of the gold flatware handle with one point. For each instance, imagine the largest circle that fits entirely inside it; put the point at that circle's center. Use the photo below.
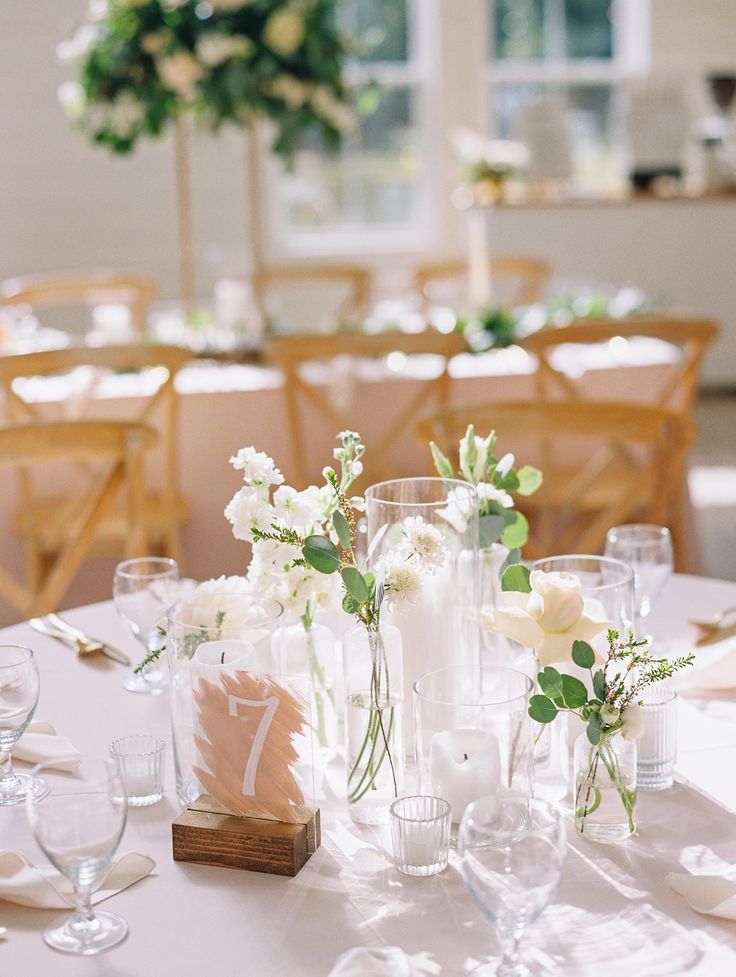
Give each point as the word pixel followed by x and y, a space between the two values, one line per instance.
pixel 720 634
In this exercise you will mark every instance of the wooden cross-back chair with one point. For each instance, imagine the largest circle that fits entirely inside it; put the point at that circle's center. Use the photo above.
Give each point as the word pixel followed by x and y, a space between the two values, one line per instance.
pixel 290 354
pixel 117 450
pixel 83 288
pixel 590 484
pixel 678 387
pixel 525 275
pixel 356 282
pixel 164 509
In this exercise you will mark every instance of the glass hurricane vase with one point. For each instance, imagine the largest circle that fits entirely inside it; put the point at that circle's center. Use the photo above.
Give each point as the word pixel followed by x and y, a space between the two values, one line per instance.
pixel 310 651
pixel 605 787
pixel 372 659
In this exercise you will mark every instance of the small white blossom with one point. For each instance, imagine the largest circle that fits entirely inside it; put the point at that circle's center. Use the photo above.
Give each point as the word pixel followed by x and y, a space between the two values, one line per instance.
pixel 180 72
pixel 258 469
pixel 609 714
pixel 214 48
pixel 424 541
pixel 505 465
pixel 632 719
pixel 125 115
pixel 402 581
pixel 489 493
pixel 247 509
pixel 298 510
pixel 474 453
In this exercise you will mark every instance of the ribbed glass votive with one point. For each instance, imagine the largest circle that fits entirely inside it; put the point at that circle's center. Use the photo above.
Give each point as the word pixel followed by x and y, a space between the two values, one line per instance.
pixel 420 831
pixel 657 746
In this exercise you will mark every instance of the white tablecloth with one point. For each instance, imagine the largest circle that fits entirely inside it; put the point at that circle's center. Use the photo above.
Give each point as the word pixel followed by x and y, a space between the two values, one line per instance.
pixel 614 913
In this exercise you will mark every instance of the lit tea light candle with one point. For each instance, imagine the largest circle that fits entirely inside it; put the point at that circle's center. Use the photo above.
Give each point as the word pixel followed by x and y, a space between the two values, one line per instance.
pixel 464 764
pixel 227 655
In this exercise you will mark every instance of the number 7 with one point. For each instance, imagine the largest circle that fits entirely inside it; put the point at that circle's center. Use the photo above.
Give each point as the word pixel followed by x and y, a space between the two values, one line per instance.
pixel 269 707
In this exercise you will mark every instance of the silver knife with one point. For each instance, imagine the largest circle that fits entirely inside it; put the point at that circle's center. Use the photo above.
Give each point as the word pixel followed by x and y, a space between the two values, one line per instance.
pixel 56 627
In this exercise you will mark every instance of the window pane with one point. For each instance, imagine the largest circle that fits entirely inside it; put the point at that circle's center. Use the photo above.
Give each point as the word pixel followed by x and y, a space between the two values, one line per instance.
pixel 373 179
pixel 518 29
pixel 380 26
pixel 589 28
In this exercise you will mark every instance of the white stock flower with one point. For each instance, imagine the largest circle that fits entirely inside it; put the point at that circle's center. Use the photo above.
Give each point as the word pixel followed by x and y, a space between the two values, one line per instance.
pixel 258 469
pixel 214 48
pixel 632 719
pixel 548 619
pixel 284 31
pixel 298 510
pixel 248 508
pixel 401 579
pixel 474 469
pixel 180 72
pixel 424 541
pixel 489 493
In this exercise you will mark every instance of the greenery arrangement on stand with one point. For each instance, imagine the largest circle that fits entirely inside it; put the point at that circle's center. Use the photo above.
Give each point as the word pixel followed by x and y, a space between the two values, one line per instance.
pixel 494 328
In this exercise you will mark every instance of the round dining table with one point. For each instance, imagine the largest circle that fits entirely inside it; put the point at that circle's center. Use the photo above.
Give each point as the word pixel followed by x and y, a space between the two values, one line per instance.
pixel 614 914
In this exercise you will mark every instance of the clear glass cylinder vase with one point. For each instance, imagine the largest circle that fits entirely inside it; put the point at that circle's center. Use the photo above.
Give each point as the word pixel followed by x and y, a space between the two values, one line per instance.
pixel 374 756
pixel 441 626
pixel 310 651
pixel 605 787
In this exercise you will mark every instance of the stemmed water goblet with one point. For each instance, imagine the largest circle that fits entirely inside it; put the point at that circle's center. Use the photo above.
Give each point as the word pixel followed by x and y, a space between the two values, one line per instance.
pixel 512 851
pixel 143 589
pixel 648 551
pixel 78 827
pixel 19 687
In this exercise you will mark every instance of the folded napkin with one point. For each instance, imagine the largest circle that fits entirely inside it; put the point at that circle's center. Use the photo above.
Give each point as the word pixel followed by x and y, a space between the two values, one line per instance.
pixel 714 668
pixel 712 895
pixel 363 961
pixel 40 744
pixel 42 887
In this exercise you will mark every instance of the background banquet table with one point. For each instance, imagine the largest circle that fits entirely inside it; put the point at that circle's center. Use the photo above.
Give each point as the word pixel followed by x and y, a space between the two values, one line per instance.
pixel 223 408
pixel 614 913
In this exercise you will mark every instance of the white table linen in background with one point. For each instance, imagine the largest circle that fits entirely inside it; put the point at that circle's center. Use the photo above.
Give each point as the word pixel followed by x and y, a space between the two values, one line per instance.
pixel 615 913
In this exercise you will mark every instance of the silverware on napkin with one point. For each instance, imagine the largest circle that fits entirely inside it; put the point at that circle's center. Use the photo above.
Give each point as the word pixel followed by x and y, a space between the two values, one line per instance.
pixel 716 635
pixel 55 627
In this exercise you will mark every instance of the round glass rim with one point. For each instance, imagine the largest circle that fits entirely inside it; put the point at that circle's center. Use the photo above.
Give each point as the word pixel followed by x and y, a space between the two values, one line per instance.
pixel 271 619
pixel 117 753
pixel 122 568
pixel 652 531
pixel 428 819
pixel 627 573
pixel 551 808
pixel 479 669
pixel 29 656
pixel 371 493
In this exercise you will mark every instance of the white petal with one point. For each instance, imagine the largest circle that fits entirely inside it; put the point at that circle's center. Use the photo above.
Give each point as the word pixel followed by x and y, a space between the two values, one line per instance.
pixel 515 624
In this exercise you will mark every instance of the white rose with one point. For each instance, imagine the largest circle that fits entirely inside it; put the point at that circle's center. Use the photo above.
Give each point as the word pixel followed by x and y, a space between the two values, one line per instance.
pixel 284 31
pixel 549 619
pixel 217 597
pixel 632 719
pixel 180 72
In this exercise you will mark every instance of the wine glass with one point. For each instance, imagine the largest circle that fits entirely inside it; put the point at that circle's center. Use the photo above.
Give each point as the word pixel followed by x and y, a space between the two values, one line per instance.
pixel 19 686
pixel 511 853
pixel 78 827
pixel 142 590
pixel 648 551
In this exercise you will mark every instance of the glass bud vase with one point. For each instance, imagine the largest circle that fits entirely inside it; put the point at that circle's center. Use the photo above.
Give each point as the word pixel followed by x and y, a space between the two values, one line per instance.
pixel 605 787
pixel 311 652
pixel 372 660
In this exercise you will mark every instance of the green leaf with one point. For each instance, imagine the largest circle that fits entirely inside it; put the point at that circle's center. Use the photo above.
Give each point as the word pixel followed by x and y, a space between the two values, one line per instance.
pixel 509 483
pixel 530 479
pixel 321 553
pixel 582 654
pixel 550 682
pixel 490 529
pixel 593 731
pixel 513 557
pixel 516 578
pixel 599 685
pixel 516 533
pixel 573 692
pixel 355 584
pixel 441 462
pixel 542 709
pixel 342 529
pixel 350 604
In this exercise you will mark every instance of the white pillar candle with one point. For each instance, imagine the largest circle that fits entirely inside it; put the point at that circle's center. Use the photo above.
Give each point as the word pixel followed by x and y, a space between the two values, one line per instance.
pixel 464 764
pixel 227 655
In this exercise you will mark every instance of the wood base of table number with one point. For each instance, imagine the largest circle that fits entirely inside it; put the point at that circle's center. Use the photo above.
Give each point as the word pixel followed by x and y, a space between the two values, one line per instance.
pixel 209 836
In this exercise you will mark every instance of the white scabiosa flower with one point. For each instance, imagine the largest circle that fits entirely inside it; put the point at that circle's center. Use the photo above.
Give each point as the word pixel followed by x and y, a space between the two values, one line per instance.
pixel 402 581
pixel 423 540
pixel 257 467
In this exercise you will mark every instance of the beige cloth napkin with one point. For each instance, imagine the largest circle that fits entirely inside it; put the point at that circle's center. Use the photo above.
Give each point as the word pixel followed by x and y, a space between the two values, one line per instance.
pixel 712 895
pixel 714 668
pixel 42 887
pixel 363 961
pixel 40 744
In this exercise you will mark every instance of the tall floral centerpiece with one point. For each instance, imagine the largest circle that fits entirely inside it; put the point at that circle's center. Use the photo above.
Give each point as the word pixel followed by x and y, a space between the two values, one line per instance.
pixel 145 65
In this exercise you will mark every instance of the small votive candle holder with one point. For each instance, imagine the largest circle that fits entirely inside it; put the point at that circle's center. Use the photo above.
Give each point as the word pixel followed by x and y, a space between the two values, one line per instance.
pixel 657 746
pixel 420 832
pixel 141 759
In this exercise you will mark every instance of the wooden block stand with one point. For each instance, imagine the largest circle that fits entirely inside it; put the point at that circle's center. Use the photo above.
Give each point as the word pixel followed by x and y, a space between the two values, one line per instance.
pixel 207 834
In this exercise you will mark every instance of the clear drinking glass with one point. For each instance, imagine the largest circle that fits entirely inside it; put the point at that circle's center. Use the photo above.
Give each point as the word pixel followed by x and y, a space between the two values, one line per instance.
pixel 511 857
pixel 648 551
pixel 78 828
pixel 420 834
pixel 19 685
pixel 141 759
pixel 142 590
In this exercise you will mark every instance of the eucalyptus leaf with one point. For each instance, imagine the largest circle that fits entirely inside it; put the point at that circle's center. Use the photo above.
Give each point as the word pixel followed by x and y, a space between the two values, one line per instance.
pixel 489 530
pixel 550 682
pixel 516 533
pixel 342 528
pixel 582 654
pixel 530 479
pixel 376 540
pixel 355 584
pixel 441 462
pixel 509 483
pixel 599 685
pixel 573 692
pixel 513 557
pixel 593 733
pixel 321 553
pixel 516 578
pixel 542 709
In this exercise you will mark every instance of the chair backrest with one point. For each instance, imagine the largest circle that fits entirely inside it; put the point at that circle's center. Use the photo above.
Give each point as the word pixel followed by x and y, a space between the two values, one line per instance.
pixel 290 354
pixel 160 365
pixel 677 386
pixel 603 463
pixel 83 288
pixel 346 287
pixel 117 448
pixel 526 278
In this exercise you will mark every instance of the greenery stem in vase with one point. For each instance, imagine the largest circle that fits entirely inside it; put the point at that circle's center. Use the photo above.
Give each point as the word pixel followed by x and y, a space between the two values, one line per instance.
pixel 323 693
